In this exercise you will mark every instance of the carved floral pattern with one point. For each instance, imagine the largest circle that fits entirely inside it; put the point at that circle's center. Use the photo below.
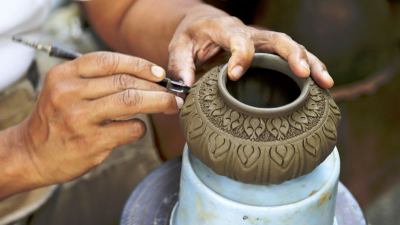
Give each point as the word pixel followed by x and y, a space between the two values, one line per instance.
pixel 256 149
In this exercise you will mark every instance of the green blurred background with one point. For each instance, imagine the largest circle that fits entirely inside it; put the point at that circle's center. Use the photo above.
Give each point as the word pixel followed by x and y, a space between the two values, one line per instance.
pixel 359 40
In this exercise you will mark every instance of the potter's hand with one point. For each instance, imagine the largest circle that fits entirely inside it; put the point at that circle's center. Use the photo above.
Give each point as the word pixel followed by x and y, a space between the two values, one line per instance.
pixel 73 129
pixel 204 30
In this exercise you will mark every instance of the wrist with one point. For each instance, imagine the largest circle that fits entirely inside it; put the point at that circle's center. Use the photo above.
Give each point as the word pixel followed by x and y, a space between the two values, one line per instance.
pixel 19 173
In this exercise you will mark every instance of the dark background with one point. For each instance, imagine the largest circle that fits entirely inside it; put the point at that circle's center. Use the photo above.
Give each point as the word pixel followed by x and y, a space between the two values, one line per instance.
pixel 359 40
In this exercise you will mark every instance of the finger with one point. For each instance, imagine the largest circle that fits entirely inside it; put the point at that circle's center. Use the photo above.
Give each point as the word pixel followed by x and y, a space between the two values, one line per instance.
pixel 319 72
pixel 122 132
pixel 102 64
pixel 242 49
pixel 231 34
pixel 181 64
pixel 286 47
pixel 130 102
pixel 206 52
pixel 103 86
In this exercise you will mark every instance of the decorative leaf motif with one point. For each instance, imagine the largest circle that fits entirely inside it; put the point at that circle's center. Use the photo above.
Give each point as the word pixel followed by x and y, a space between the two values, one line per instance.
pixel 248 155
pixel 310 109
pixel 311 105
pixel 298 120
pixel 329 129
pixel 282 155
pixel 334 108
pixel 278 127
pixel 254 127
pixel 312 145
pixel 196 128
pixel 218 145
pixel 211 82
pixel 208 98
pixel 315 94
pixel 232 119
pixel 227 119
pixel 237 119
pixel 187 109
pixel 316 98
pixel 210 94
pixel 218 108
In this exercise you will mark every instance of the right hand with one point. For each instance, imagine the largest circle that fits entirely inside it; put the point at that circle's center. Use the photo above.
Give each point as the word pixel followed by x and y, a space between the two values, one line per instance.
pixel 73 127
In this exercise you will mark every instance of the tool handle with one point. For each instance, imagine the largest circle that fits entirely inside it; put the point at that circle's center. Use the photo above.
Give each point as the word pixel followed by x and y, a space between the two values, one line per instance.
pixel 63 53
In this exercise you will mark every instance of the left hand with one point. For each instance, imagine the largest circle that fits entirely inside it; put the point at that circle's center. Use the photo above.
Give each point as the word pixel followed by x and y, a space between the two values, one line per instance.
pixel 205 30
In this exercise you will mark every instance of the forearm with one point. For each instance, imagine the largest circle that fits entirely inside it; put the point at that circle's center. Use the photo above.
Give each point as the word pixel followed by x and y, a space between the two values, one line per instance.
pixel 16 174
pixel 143 27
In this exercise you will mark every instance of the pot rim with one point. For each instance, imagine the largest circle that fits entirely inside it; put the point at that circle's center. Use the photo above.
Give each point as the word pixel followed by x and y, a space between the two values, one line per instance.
pixel 272 62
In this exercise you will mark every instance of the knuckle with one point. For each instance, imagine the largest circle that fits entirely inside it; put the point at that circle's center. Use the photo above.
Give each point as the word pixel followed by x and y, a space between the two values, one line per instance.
pixel 323 65
pixel 55 98
pixel 302 47
pixel 173 44
pixel 229 20
pixel 74 117
pixel 122 81
pixel 303 51
pixel 178 42
pixel 58 94
pixel 281 36
pixel 108 62
pixel 204 21
pixel 138 130
pixel 56 70
pixel 131 97
pixel 236 20
pixel 140 64
pixel 54 74
pixel 266 35
pixel 99 158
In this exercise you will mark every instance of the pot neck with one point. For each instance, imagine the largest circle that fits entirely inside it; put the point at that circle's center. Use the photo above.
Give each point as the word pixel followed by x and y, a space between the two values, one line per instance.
pixel 271 62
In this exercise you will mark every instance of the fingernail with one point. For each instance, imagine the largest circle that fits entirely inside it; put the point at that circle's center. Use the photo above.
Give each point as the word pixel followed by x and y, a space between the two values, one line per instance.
pixel 305 64
pixel 179 102
pixel 237 71
pixel 158 71
pixel 328 77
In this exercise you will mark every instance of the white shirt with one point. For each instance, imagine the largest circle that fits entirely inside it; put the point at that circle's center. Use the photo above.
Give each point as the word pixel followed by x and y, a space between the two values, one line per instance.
pixel 19 17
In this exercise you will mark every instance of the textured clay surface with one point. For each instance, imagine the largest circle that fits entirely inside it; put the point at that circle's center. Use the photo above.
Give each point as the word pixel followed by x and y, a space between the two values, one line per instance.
pixel 258 150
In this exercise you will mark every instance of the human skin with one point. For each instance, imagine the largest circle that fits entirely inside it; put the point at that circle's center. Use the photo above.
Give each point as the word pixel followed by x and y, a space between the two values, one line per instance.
pixel 82 114
pixel 180 34
pixel 72 128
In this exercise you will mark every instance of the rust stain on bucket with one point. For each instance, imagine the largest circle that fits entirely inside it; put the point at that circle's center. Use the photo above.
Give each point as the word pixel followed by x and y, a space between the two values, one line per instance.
pixel 325 197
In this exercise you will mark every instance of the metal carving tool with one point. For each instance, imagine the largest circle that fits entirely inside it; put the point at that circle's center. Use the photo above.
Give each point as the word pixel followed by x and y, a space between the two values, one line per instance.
pixel 56 51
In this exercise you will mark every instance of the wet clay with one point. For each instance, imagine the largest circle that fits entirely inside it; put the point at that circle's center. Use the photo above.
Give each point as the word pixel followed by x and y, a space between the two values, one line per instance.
pixel 266 128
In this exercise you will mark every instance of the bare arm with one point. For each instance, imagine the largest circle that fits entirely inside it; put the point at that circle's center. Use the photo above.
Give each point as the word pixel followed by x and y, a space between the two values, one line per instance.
pixel 16 174
pixel 139 27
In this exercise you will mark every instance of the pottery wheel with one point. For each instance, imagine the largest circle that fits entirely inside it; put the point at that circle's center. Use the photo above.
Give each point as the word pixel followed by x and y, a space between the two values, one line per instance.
pixel 151 203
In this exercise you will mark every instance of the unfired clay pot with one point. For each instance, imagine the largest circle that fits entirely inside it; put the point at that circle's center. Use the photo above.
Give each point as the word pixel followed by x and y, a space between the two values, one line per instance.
pixel 268 127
